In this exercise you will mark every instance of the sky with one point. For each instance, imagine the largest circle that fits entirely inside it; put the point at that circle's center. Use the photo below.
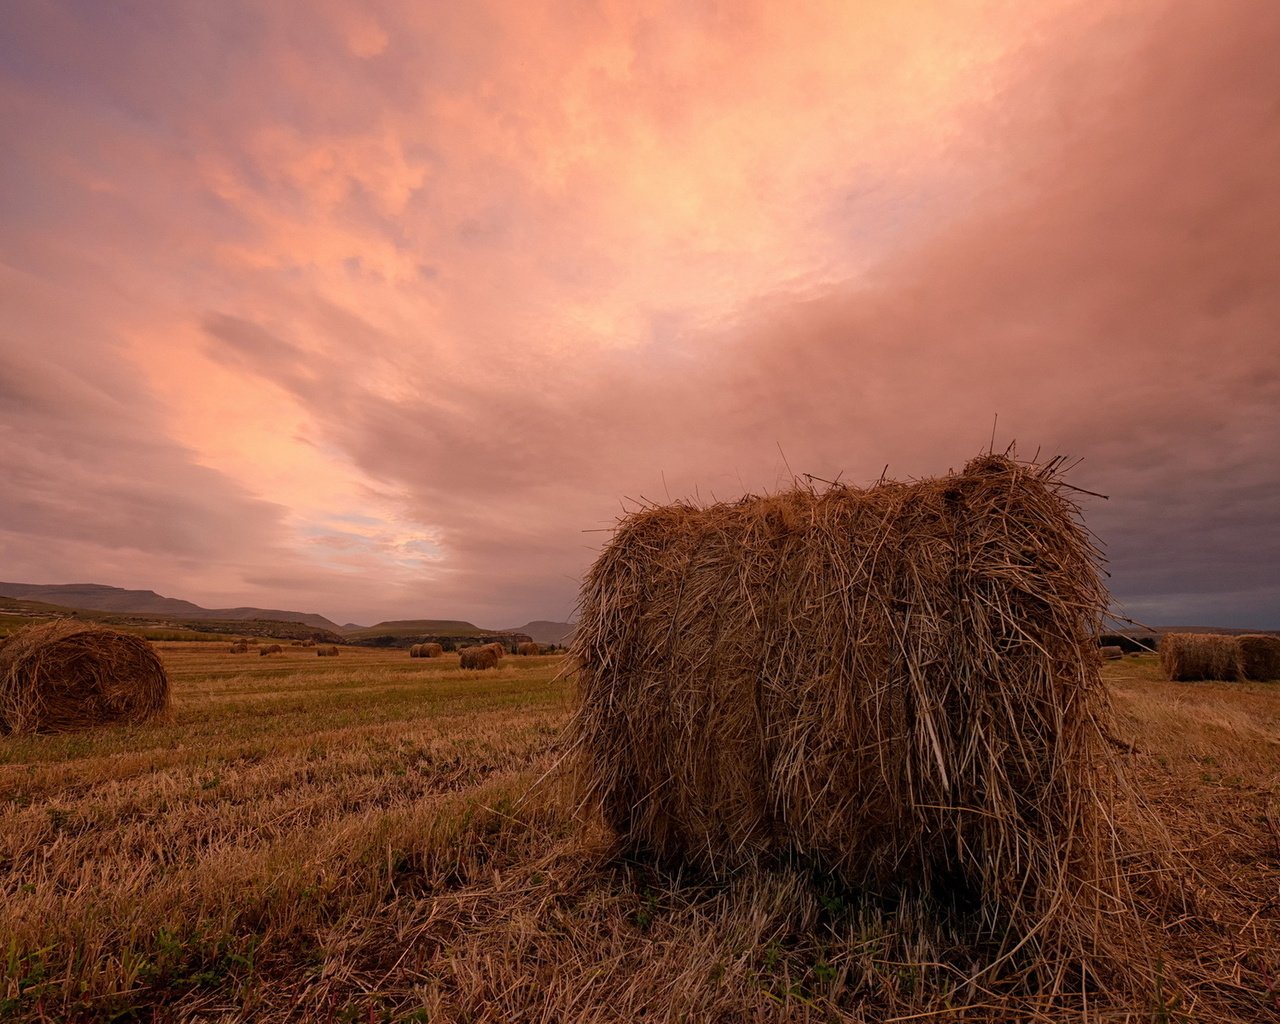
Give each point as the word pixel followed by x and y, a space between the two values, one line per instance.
pixel 391 309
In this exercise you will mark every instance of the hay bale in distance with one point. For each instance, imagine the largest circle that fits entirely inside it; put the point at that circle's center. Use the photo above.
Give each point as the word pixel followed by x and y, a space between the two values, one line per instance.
pixel 1110 652
pixel 64 676
pixel 478 657
pixel 240 647
pixel 270 649
pixel 327 651
pixel 1187 657
pixel 895 684
pixel 308 642
pixel 1259 656
pixel 431 651
pixel 528 648
pixel 415 651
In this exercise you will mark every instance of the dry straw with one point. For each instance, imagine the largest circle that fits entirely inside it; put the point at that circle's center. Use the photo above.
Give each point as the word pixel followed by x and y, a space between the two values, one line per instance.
pixel 528 648
pixel 63 676
pixel 1259 656
pixel 327 651
pixel 897 686
pixel 478 657
pixel 1193 656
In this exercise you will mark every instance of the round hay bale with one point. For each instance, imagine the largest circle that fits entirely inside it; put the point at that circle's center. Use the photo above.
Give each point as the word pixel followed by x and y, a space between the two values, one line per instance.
pixel 1259 656
pixel 1111 652
pixel 64 676
pixel 1188 657
pixel 528 648
pixel 415 651
pixel 239 647
pixel 328 651
pixel 308 643
pixel 270 649
pixel 497 648
pixel 896 685
pixel 478 657
pixel 431 651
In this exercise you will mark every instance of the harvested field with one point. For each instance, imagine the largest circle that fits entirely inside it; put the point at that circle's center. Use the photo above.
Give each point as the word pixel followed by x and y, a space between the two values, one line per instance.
pixel 331 840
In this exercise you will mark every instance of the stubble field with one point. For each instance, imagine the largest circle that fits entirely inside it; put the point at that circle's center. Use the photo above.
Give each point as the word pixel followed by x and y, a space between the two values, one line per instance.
pixel 375 838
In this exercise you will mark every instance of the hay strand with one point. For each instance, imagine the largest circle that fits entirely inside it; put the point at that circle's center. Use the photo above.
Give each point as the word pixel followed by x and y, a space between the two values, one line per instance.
pixel 64 676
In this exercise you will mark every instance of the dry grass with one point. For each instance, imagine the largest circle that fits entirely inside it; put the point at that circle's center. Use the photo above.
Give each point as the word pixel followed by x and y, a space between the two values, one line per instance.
pixel 65 675
pixel 1259 656
pixel 334 841
pixel 1187 657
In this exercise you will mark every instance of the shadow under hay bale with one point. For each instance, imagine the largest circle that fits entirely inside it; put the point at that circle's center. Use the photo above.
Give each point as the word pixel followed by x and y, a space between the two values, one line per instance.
pixel 895 685
pixel 1189 657
pixel 528 648
pixel 64 676
pixel 270 649
pixel 478 657
pixel 328 651
pixel 1259 656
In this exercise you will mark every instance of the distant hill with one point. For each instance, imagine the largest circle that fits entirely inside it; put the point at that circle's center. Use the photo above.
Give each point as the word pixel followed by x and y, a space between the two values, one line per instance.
pixel 417 627
pixel 546 632
pixel 97 597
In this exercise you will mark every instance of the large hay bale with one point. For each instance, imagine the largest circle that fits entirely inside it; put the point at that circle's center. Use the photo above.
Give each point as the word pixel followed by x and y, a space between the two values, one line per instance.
pixel 240 647
pixel 499 649
pixel 270 649
pixel 308 642
pixel 896 685
pixel 327 651
pixel 1110 652
pixel 478 657
pixel 431 651
pixel 62 676
pixel 1187 657
pixel 415 651
pixel 528 648
pixel 1259 656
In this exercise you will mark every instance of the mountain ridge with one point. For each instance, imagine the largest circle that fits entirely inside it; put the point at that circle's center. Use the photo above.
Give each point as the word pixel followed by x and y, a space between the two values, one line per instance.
pixel 103 598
